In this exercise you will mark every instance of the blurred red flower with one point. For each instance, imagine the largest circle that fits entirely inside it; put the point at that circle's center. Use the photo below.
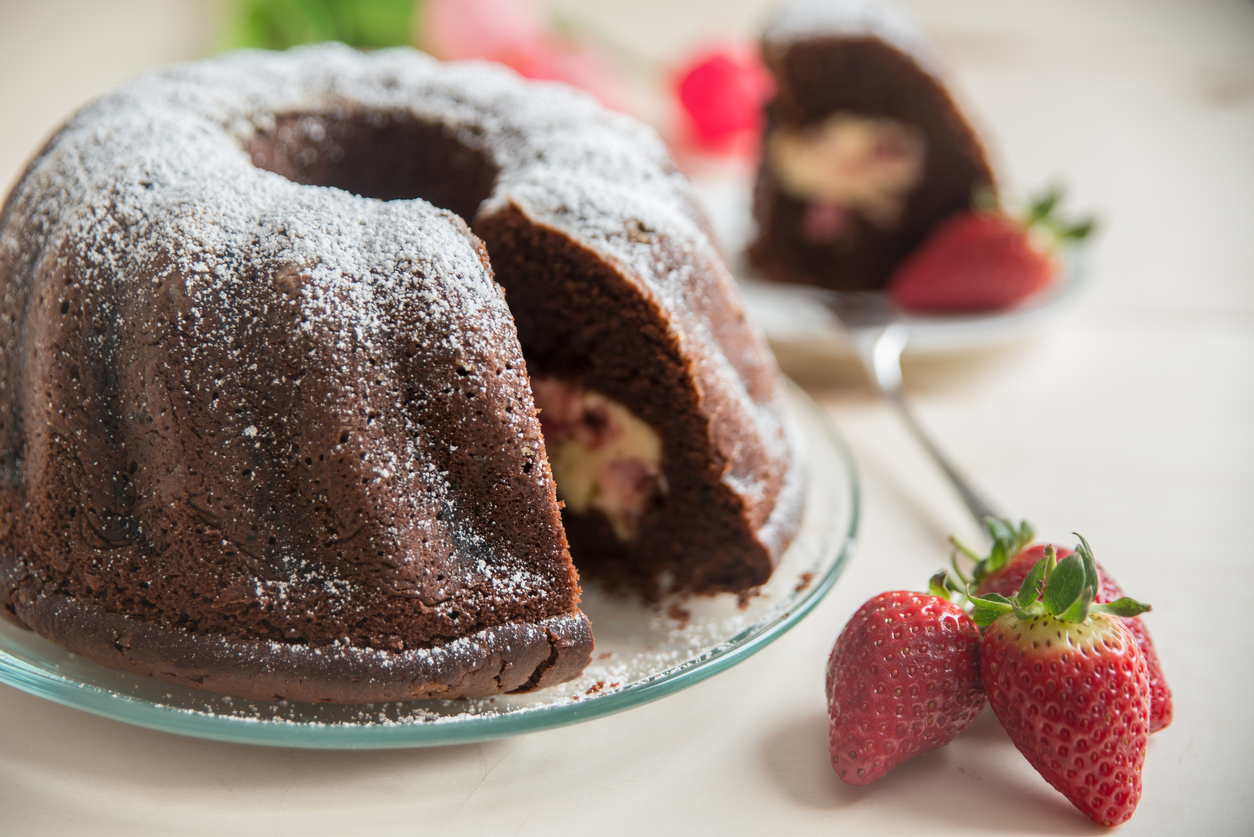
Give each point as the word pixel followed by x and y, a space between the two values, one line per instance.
pixel 721 93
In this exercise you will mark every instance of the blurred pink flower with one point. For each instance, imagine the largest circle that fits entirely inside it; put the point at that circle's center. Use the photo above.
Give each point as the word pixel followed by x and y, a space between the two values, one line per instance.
pixel 454 30
pixel 575 65
pixel 721 93
pixel 516 33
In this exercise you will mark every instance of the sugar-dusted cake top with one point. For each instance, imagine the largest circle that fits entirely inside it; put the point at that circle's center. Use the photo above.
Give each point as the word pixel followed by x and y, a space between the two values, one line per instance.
pixel 156 180
pixel 170 145
pixel 805 20
pixel 159 170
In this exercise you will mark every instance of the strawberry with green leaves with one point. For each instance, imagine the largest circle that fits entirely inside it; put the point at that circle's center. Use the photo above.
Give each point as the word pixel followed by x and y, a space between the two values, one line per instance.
pixel 984 259
pixel 902 679
pixel 1008 564
pixel 1069 684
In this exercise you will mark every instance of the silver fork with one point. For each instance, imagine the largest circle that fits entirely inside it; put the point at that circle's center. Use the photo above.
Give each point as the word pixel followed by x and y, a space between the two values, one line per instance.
pixel 879 336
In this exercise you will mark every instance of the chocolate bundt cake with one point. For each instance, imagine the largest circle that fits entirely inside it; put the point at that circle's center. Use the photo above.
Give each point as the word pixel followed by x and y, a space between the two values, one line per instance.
pixel 864 150
pixel 266 424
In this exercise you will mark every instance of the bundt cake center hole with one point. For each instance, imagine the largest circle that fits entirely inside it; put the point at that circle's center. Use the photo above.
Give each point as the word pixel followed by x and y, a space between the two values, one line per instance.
pixel 387 156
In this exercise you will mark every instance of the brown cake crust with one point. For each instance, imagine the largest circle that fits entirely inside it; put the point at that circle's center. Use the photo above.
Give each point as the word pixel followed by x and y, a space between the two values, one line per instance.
pixel 861 58
pixel 251 415
pixel 512 657
pixel 267 429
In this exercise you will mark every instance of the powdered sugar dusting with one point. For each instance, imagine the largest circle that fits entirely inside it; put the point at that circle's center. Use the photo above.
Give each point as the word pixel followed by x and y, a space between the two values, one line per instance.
pixel 163 159
pixel 154 183
pixel 807 19
pixel 154 180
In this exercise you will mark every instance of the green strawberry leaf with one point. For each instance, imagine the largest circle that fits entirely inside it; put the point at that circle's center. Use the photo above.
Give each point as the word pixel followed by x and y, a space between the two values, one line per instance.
pixel 1025 535
pixel 1124 607
pixel 938 585
pixel 1077 231
pixel 999 530
pixel 988 608
pixel 1030 591
pixel 1002 535
pixel 1008 541
pixel 1079 609
pixel 1063 589
pixel 997 558
pixel 1043 214
pixel 1085 552
pixel 1065 585
pixel 1044 206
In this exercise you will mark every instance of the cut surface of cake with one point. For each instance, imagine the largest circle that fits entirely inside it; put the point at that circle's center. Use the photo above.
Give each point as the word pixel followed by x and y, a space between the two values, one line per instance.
pixel 268 423
pixel 864 149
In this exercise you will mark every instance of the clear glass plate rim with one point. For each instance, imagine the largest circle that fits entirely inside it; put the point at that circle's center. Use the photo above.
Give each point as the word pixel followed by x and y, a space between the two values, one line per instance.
pixel 72 693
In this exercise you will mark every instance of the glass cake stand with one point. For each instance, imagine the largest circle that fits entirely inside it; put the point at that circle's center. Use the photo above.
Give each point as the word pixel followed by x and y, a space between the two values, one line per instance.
pixel 643 652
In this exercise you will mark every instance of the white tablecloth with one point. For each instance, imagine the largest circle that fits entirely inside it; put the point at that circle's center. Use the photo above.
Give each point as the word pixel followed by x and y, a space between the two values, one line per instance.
pixel 1131 423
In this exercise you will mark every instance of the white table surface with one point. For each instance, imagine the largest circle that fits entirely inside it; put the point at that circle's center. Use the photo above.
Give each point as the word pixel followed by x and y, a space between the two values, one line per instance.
pixel 1131 423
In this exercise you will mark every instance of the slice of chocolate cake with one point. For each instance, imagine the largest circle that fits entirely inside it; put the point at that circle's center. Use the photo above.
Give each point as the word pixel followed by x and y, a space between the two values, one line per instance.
pixel 864 150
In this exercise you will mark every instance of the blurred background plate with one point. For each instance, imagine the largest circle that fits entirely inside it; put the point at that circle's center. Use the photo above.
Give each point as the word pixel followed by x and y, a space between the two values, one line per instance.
pixel 797 325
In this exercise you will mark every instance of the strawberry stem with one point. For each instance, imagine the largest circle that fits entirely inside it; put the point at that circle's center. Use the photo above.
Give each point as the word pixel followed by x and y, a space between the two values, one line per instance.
pixel 953 560
pixel 1008 541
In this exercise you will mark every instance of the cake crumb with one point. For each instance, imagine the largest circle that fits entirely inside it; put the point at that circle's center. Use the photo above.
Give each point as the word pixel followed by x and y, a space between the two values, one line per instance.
pixel 747 596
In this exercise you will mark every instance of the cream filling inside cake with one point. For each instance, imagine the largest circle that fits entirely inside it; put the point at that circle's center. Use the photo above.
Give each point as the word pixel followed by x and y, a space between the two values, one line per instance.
pixel 847 162
pixel 603 457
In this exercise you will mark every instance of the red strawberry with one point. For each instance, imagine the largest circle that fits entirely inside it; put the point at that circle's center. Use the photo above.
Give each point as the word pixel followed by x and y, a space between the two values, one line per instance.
pixel 982 260
pixel 1161 708
pixel 902 679
pixel 1007 581
pixel 1069 684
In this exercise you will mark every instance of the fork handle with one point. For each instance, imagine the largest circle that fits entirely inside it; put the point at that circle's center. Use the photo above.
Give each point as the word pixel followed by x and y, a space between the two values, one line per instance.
pixel 980 508
pixel 880 350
